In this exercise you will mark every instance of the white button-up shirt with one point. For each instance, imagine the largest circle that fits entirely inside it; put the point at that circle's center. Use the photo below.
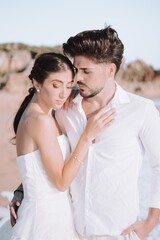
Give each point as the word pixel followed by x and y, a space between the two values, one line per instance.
pixel 105 191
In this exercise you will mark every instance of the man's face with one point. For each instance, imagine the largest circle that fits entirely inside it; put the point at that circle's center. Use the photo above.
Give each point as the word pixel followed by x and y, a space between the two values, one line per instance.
pixel 91 77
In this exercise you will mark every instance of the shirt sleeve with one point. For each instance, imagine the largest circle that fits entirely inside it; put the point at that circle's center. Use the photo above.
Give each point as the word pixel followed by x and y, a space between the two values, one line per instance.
pixel 150 137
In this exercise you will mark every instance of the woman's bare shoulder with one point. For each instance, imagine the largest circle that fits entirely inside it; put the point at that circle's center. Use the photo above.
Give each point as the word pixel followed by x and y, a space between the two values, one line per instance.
pixel 37 121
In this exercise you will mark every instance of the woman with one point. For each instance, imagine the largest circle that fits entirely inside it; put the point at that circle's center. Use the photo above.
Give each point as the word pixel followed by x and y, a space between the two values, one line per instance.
pixel 45 212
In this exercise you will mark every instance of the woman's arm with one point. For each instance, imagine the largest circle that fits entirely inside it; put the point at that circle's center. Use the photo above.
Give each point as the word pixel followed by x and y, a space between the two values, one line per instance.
pixel 62 173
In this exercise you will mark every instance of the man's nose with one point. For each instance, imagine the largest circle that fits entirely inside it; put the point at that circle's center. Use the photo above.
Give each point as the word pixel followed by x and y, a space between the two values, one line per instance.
pixel 78 76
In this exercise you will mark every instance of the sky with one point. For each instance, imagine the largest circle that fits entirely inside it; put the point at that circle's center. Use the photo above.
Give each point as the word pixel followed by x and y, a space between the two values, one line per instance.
pixel 52 22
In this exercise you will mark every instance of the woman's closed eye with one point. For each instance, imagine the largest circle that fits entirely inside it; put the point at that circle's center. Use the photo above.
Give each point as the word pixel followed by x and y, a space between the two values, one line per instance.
pixel 70 85
pixel 56 85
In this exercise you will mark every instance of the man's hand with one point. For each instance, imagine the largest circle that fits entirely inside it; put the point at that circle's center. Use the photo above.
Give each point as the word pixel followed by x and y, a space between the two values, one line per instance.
pixel 143 228
pixel 14 205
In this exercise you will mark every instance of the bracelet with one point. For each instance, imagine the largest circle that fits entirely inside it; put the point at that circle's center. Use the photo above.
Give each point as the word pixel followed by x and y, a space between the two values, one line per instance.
pixel 18 190
pixel 78 160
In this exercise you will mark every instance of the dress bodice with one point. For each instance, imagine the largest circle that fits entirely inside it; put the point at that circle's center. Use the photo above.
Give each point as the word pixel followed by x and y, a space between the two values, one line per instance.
pixel 36 182
pixel 45 212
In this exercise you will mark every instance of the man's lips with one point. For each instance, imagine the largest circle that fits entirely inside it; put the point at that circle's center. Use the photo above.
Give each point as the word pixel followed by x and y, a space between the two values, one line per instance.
pixel 81 85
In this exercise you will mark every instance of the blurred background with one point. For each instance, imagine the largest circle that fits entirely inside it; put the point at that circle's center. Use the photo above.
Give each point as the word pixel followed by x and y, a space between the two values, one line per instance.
pixel 31 27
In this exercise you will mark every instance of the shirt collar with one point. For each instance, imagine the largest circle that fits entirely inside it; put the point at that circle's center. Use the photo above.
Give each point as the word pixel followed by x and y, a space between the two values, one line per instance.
pixel 120 97
pixel 78 99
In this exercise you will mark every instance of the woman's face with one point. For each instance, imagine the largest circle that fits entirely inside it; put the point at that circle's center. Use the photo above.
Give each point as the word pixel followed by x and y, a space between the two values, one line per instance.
pixel 56 89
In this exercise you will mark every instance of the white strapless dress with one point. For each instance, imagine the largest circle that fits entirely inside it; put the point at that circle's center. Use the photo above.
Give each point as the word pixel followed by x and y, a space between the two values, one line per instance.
pixel 45 212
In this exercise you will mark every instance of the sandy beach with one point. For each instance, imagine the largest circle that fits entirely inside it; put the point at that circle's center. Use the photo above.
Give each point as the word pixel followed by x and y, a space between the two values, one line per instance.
pixel 9 175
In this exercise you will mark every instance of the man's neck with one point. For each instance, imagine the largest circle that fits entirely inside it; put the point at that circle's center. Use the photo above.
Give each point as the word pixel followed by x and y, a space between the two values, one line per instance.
pixel 102 99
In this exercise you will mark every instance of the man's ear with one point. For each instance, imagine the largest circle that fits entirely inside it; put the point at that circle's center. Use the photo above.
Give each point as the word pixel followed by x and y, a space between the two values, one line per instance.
pixel 112 69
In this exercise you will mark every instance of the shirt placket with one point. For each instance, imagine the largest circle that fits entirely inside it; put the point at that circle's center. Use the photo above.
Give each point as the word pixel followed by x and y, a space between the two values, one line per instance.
pixel 87 191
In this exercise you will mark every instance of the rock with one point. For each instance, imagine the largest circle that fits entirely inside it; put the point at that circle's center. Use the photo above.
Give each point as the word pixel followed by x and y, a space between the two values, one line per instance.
pixel 3 80
pixel 14 61
pixel 17 82
pixel 139 71
pixel 140 78
pixel 4 62
pixel 20 59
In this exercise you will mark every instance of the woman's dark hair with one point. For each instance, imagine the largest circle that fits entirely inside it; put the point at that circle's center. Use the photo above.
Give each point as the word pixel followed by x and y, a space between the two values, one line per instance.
pixel 45 64
pixel 101 46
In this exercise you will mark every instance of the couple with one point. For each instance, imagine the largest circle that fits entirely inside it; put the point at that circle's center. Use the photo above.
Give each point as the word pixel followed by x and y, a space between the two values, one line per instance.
pixel 106 152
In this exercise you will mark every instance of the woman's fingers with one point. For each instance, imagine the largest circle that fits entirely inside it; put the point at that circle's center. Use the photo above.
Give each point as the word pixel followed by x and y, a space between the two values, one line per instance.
pixel 108 120
pixel 105 118
pixel 100 121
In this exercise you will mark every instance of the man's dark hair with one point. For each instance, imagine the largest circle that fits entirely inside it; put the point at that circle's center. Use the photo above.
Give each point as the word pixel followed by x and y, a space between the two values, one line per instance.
pixel 99 45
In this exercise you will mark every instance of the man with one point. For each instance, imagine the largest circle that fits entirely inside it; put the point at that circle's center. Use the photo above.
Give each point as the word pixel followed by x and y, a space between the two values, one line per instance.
pixel 105 192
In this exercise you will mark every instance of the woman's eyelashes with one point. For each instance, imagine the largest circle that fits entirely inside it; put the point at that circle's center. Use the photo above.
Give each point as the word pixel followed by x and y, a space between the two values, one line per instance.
pixel 69 85
pixel 56 85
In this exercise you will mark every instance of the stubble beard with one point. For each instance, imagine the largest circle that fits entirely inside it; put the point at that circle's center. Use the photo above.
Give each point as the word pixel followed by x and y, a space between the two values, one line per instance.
pixel 91 93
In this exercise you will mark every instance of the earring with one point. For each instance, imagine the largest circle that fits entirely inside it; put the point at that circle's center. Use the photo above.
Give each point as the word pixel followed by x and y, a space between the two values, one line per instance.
pixel 37 90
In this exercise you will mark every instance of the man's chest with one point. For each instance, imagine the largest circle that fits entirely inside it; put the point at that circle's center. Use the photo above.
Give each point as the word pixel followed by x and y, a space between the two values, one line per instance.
pixel 125 128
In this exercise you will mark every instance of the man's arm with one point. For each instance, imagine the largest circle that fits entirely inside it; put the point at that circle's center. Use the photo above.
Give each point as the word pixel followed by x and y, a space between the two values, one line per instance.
pixel 153 217
pixel 150 138
pixel 15 203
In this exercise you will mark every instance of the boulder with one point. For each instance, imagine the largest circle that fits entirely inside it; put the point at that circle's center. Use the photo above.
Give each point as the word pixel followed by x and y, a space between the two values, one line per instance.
pixel 4 62
pixel 19 60
pixel 139 71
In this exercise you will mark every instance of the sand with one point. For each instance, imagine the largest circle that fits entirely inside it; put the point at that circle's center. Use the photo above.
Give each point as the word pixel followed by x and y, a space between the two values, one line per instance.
pixel 9 175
